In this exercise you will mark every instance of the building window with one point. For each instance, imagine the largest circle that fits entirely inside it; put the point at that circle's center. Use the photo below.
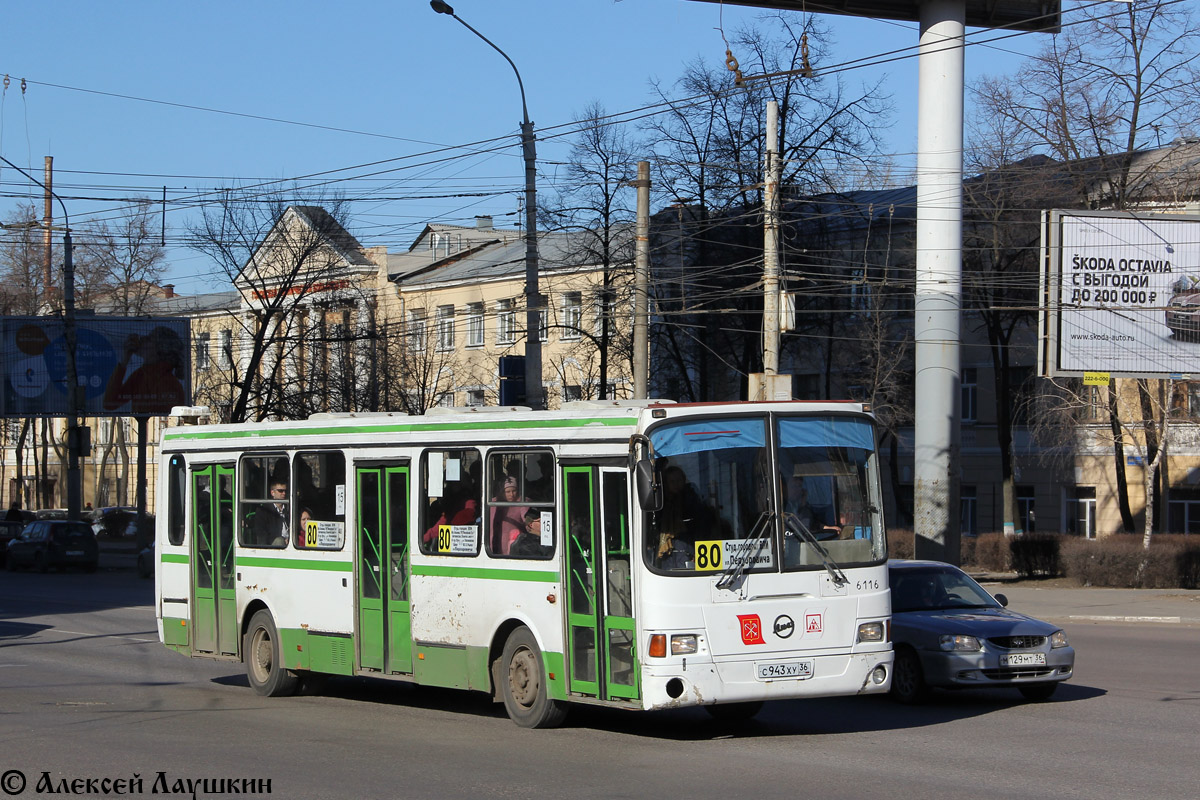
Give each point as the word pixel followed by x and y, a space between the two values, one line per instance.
pixel 606 307
pixel 446 400
pixel 1185 400
pixel 1183 515
pixel 416 330
pixel 203 359
pixel 1093 403
pixel 572 392
pixel 225 351
pixel 970 394
pixel 445 328
pixel 1026 520
pixel 968 505
pixel 475 397
pixel 475 325
pixel 506 322
pixel 572 315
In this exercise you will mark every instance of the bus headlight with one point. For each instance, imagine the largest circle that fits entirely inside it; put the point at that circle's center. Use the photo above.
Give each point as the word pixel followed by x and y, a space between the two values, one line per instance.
pixel 870 632
pixel 683 644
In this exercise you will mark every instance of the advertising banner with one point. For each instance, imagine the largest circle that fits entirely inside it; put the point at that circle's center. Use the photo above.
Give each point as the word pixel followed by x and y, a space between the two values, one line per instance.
pixel 1124 294
pixel 125 365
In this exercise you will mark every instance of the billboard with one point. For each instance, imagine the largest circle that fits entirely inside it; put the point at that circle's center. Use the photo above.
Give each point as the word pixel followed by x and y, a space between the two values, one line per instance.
pixel 125 365
pixel 1121 294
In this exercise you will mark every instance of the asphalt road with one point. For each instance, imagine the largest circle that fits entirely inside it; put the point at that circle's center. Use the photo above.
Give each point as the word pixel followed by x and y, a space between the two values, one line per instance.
pixel 87 692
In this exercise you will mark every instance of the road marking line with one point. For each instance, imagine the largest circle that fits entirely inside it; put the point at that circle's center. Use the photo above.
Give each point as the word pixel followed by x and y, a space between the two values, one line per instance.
pixel 1102 618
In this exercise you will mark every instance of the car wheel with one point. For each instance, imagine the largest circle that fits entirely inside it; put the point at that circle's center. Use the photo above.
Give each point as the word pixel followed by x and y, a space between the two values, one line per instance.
pixel 11 563
pixel 264 658
pixel 734 712
pixel 1037 692
pixel 144 567
pixel 908 679
pixel 40 563
pixel 523 684
pixel 91 566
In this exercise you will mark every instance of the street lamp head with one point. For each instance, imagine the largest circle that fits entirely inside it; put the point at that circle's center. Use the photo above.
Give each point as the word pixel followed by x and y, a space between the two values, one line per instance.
pixel 441 7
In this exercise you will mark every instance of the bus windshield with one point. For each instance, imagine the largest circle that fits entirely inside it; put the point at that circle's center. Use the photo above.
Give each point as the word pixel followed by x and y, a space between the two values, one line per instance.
pixel 734 489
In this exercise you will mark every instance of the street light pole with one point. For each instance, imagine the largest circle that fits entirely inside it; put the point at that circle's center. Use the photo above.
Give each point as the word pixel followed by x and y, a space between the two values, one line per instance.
pixel 74 434
pixel 533 300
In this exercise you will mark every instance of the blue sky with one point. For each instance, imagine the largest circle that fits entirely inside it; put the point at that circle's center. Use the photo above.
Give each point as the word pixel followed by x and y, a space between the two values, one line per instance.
pixel 266 90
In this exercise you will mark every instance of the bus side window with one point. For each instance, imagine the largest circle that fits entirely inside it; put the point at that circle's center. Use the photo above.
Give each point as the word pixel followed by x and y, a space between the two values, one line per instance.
pixel 451 519
pixel 265 501
pixel 319 491
pixel 520 491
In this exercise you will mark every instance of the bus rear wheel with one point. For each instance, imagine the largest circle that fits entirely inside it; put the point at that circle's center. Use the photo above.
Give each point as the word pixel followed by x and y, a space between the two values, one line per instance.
pixel 523 684
pixel 264 659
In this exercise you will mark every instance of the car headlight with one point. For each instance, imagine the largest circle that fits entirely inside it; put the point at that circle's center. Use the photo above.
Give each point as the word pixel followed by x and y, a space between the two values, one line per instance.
pixel 870 632
pixel 1058 639
pixel 683 644
pixel 958 641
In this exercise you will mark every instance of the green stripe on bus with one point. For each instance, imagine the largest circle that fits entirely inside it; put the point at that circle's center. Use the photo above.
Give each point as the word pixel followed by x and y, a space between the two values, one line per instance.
pixel 288 563
pixel 473 425
pixel 538 576
pixel 174 558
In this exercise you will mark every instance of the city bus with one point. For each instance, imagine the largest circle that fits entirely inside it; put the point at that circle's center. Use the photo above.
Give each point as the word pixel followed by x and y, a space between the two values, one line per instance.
pixel 640 555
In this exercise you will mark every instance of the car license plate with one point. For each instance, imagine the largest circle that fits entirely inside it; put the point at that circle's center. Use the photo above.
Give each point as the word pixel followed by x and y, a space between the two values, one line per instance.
pixel 74 552
pixel 1024 660
pixel 783 670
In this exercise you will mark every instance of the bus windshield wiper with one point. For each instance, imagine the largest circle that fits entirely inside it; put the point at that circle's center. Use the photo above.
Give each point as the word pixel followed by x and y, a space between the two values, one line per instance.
pixel 802 531
pixel 737 567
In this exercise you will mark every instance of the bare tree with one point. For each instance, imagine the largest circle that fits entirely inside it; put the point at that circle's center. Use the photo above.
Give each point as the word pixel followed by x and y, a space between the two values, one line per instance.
pixel 708 157
pixel 281 256
pixel 1109 86
pixel 594 206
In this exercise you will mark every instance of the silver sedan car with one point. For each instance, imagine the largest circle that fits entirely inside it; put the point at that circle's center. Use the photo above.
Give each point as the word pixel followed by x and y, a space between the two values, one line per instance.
pixel 950 633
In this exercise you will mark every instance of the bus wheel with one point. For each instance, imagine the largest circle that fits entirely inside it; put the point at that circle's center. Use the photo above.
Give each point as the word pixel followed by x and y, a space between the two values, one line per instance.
pixel 734 712
pixel 264 662
pixel 523 684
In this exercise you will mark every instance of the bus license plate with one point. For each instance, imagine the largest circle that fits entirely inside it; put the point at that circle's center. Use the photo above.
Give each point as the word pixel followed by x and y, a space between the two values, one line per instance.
pixel 1024 660
pixel 784 670
pixel 74 552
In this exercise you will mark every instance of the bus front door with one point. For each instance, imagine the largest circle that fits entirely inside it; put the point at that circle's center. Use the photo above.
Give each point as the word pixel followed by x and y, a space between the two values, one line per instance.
pixel 600 635
pixel 214 627
pixel 384 621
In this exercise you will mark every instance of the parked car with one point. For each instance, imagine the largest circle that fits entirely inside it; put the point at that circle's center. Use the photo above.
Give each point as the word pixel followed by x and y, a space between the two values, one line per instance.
pixel 950 633
pixel 50 513
pixel 114 521
pixel 54 543
pixel 8 532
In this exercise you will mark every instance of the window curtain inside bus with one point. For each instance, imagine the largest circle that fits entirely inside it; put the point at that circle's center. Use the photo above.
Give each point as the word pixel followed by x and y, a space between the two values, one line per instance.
pixel 825 432
pixel 705 436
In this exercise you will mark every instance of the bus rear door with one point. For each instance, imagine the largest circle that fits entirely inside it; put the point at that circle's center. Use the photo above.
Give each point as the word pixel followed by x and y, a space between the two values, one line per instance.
pixel 600 629
pixel 215 626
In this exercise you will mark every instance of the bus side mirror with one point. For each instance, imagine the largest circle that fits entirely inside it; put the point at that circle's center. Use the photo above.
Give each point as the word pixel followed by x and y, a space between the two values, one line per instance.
pixel 649 487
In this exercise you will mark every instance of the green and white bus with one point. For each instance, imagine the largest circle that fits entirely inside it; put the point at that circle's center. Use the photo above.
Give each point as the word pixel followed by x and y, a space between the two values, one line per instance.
pixel 640 555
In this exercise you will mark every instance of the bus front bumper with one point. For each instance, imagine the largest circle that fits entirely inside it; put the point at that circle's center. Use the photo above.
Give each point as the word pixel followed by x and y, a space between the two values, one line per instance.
pixel 695 683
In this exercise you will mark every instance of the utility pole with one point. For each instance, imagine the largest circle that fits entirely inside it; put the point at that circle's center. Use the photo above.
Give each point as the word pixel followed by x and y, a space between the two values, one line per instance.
pixel 771 244
pixel 769 384
pixel 641 285
pixel 48 235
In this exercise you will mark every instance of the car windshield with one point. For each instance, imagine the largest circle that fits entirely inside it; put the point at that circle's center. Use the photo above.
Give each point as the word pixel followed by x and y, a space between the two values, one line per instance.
pixel 936 589
pixel 65 531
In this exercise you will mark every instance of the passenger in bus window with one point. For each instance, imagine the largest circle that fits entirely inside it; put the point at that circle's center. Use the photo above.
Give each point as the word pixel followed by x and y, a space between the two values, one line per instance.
pixel 302 531
pixel 508 522
pixel 270 519
pixel 529 543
